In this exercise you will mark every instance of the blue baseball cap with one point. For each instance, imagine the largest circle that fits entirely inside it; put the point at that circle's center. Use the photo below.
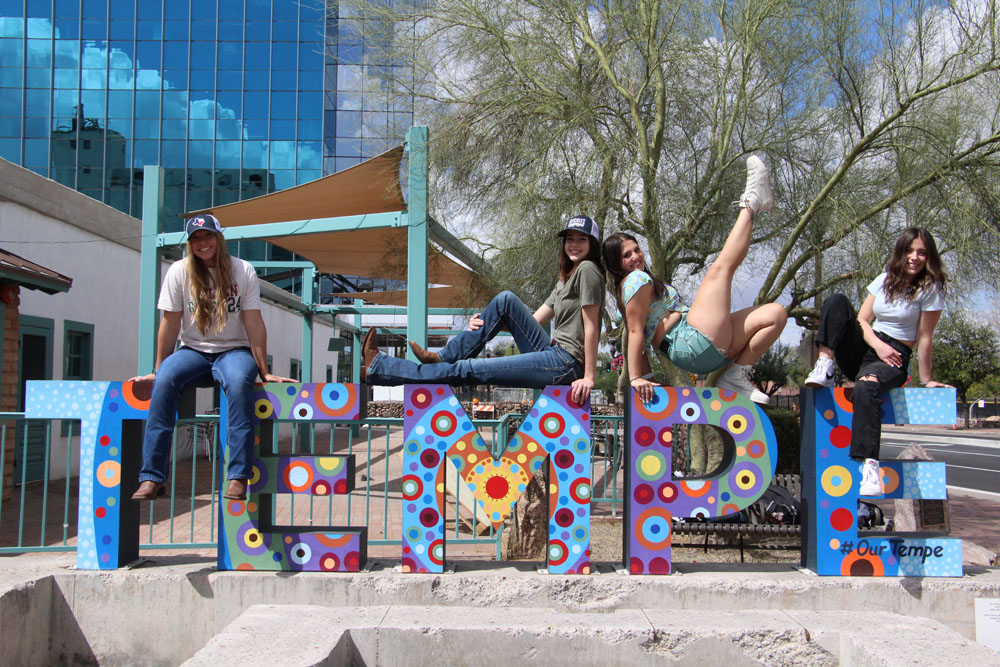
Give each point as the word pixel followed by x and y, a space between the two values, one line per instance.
pixel 204 221
pixel 582 224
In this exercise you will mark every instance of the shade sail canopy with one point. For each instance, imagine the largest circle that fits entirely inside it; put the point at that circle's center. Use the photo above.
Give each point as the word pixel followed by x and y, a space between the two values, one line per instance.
pixel 380 252
pixel 437 297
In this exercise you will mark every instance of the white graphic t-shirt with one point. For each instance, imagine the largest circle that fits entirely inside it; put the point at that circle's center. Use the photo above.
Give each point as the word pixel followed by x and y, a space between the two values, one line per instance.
pixel 244 294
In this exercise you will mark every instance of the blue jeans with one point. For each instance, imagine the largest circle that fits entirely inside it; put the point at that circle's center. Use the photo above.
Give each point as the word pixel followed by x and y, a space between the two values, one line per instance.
pixel 236 371
pixel 540 362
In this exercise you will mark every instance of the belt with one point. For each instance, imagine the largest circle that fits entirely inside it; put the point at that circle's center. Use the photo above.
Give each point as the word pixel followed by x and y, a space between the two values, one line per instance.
pixel 665 345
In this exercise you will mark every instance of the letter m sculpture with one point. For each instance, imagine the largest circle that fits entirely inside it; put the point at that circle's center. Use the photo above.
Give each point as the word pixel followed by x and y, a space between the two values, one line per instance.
pixel 439 436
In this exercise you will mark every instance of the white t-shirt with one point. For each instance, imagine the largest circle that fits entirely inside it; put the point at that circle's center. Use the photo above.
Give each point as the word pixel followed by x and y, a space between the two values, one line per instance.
pixel 244 294
pixel 900 317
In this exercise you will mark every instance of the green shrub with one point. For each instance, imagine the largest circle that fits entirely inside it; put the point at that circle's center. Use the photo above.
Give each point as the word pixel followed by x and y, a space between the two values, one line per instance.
pixel 789 435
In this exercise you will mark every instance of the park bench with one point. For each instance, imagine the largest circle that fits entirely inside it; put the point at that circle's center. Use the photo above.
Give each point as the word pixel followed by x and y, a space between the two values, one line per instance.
pixel 753 528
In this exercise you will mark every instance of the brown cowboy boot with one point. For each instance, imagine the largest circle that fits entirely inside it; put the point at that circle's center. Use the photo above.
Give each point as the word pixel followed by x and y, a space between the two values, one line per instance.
pixel 369 349
pixel 149 490
pixel 423 355
pixel 236 490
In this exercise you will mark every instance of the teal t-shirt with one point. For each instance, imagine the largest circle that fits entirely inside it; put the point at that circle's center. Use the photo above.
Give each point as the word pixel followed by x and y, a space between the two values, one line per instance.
pixel 584 287
pixel 670 300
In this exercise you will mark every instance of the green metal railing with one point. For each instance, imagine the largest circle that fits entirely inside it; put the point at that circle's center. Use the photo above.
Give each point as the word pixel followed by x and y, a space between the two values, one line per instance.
pixel 186 519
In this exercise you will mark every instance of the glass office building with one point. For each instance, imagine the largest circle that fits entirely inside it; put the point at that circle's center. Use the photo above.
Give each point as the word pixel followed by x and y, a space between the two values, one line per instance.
pixel 234 98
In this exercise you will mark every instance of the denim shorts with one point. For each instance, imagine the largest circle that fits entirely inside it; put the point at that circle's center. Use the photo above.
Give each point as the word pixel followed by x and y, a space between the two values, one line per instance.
pixel 692 350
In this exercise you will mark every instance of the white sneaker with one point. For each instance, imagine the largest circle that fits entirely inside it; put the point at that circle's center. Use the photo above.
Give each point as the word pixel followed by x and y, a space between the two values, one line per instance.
pixel 737 378
pixel 822 373
pixel 757 195
pixel 871 478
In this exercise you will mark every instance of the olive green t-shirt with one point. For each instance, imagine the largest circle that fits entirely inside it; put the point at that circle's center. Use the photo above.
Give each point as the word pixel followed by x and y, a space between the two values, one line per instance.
pixel 585 287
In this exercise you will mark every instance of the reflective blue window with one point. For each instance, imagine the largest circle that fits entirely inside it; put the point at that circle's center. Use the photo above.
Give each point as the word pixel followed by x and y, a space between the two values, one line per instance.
pixel 172 128
pixel 257 56
pixel 255 105
pixel 310 129
pixel 119 104
pixel 123 9
pixel 306 175
pixel 202 31
pixel 257 31
pixel 36 153
pixel 66 78
pixel 229 79
pixel 120 56
pixel 230 56
pixel 202 55
pixel 40 28
pixel 67 29
pixel 231 101
pixel 173 153
pixel 230 10
pixel 202 104
pixel 348 124
pixel 93 103
pixel 284 31
pixel 227 154
pixel 283 56
pixel 283 178
pixel 285 11
pixel 36 128
pixel 122 29
pixel 255 128
pixel 39 52
pixel 308 155
pixel 150 10
pixel 201 129
pixel 64 102
pixel 175 78
pixel 283 80
pixel 229 128
pixel 255 155
pixel 310 105
pixel 175 104
pixel 147 128
pixel 202 78
pixel 175 55
pixel 175 30
pixel 282 105
pixel 11 77
pixel 282 129
pixel 144 152
pixel 67 8
pixel 95 9
pixel 12 52
pixel 149 30
pixel 147 104
pixel 10 150
pixel 10 127
pixel 203 11
pixel 67 53
pixel 39 77
pixel 230 31
pixel 147 54
pixel 37 103
pixel 311 80
pixel 95 55
pixel 176 11
pixel 11 27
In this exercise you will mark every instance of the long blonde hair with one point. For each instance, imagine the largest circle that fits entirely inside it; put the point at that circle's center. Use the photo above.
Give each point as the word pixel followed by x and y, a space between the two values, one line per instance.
pixel 207 294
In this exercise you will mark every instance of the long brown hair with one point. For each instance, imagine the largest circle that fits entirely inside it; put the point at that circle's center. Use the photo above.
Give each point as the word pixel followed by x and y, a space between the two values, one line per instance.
pixel 617 274
pixel 897 283
pixel 566 264
pixel 210 295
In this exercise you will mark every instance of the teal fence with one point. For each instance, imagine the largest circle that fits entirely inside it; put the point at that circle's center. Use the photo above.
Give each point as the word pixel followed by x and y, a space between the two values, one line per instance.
pixel 38 509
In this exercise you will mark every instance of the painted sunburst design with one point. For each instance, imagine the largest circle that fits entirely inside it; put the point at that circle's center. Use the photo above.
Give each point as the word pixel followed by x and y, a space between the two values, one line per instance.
pixel 498 485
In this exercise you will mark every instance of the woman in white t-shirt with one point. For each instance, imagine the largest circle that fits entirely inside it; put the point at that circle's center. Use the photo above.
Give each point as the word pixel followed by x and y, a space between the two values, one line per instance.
pixel 873 347
pixel 213 301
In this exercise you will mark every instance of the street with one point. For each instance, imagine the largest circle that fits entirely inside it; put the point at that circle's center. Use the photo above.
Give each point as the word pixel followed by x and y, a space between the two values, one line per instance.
pixel 973 460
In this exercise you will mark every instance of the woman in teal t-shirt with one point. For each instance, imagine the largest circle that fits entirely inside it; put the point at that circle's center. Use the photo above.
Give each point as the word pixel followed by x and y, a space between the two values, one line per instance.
pixel 706 336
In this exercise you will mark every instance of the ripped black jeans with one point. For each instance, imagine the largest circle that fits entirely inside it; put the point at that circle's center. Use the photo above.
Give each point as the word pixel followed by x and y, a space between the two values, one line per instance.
pixel 840 331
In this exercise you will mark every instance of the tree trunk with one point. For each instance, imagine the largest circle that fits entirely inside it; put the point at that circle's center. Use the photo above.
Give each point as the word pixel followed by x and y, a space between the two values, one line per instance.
pixel 529 532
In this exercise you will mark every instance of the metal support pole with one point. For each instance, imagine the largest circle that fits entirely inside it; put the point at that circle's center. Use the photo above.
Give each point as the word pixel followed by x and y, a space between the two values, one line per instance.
pixel 308 295
pixel 149 268
pixel 416 271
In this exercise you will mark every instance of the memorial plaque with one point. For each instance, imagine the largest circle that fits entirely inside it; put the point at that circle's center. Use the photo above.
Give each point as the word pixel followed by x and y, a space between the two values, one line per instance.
pixel 933 515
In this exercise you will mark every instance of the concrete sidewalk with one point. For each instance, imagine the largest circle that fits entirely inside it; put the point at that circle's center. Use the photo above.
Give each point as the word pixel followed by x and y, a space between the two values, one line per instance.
pixel 705 614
